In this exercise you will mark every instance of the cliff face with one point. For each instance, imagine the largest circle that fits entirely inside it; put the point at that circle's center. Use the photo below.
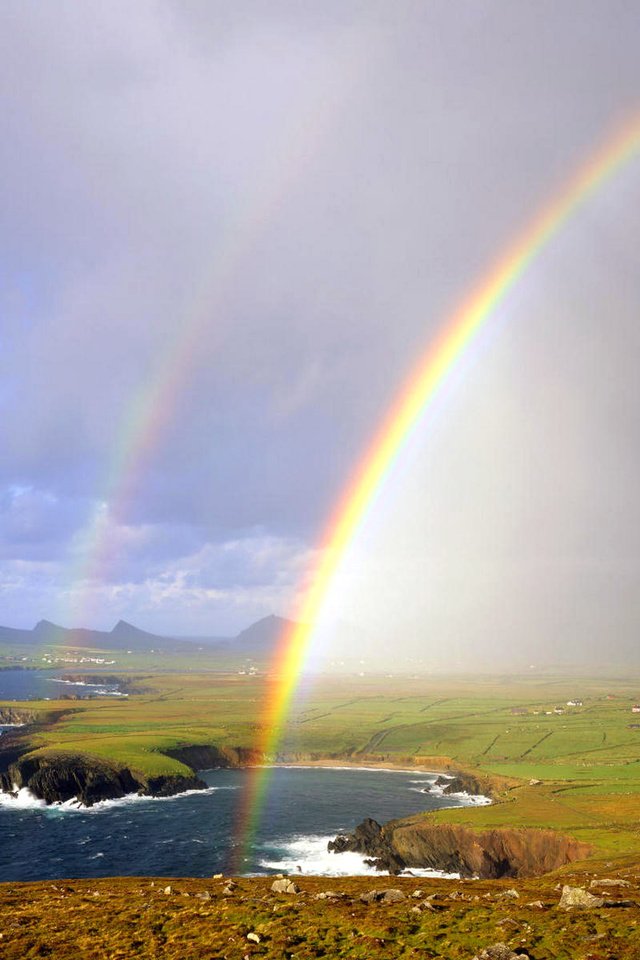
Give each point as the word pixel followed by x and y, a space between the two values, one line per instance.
pixel 12 715
pixel 488 854
pixel 206 756
pixel 58 778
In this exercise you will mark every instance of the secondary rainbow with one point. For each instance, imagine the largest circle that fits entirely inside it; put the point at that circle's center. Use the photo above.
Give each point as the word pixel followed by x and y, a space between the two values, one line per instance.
pixel 407 414
pixel 152 408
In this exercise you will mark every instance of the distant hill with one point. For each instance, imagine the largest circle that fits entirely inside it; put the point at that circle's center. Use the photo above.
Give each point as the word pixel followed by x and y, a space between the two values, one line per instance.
pixel 262 636
pixel 257 640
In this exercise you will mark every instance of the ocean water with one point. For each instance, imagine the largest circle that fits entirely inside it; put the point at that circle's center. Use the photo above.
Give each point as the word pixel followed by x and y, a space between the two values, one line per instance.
pixel 49 685
pixel 195 834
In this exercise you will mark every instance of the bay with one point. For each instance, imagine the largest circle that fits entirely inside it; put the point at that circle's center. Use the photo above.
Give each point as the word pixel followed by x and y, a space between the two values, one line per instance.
pixel 197 834
pixel 49 685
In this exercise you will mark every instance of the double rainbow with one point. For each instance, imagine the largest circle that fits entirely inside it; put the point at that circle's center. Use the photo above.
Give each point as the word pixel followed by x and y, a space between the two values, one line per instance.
pixel 407 415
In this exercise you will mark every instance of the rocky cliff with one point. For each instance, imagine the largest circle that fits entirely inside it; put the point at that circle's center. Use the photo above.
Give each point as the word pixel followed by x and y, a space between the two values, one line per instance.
pixel 207 757
pixel 56 778
pixel 488 854
pixel 461 782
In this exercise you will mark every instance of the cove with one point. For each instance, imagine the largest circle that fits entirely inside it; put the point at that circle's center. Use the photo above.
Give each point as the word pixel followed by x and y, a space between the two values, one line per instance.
pixel 192 834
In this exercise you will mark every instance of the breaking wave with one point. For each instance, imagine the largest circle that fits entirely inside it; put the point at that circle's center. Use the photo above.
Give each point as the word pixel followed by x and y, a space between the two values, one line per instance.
pixel 308 855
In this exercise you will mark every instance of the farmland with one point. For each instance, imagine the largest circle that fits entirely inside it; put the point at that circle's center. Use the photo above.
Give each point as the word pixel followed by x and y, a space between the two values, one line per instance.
pixel 586 759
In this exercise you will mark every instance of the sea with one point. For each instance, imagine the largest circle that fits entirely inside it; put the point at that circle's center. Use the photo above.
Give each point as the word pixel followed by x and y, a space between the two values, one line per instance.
pixel 21 684
pixel 195 834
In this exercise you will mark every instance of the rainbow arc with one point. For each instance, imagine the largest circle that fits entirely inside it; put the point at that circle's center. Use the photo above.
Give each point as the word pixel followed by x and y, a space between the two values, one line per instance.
pixel 407 415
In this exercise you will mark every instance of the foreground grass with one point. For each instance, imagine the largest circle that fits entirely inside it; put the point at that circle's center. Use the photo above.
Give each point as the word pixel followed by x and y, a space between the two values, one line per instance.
pixel 134 917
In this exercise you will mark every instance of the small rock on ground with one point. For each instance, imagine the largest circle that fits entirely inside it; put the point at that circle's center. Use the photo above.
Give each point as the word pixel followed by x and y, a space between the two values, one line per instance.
pixel 285 886
pixel 609 883
pixel 497 951
pixel 392 896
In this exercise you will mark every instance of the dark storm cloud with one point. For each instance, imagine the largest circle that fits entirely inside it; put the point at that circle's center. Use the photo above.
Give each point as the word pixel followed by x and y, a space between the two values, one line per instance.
pixel 355 167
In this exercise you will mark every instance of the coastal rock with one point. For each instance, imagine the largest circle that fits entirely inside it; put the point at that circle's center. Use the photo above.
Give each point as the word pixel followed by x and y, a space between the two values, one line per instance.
pixel 488 854
pixel 206 756
pixel 171 785
pixel 369 838
pixel 463 783
pixel 57 778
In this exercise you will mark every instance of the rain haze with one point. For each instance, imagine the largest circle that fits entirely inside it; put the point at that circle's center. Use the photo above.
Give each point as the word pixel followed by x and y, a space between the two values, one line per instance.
pixel 229 230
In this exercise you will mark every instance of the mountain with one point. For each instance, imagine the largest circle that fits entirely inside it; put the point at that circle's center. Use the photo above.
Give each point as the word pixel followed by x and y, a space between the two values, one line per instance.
pixel 257 640
pixel 262 636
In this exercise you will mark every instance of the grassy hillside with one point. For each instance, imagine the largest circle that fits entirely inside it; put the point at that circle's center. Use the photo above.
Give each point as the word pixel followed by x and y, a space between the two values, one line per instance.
pixel 196 919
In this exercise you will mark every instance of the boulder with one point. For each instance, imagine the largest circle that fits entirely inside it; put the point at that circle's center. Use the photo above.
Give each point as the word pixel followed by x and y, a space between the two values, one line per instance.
pixel 508 895
pixel 285 886
pixel 392 895
pixel 577 898
pixel 370 896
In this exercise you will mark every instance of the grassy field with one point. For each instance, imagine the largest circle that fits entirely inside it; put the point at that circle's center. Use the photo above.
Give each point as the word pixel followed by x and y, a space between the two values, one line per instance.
pixel 207 920
pixel 587 758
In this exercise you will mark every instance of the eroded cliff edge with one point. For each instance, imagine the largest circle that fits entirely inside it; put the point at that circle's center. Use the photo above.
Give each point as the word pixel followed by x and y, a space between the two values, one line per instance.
pixel 57 777
pixel 488 854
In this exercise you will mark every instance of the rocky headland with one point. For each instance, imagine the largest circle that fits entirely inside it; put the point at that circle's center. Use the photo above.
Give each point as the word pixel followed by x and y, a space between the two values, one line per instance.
pixel 57 777
pixel 449 848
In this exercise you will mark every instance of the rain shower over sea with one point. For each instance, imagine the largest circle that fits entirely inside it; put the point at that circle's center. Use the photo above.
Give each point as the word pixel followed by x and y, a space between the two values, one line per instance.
pixel 193 834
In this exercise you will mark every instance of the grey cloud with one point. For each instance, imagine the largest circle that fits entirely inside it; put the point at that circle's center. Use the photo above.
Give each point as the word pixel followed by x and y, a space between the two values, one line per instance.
pixel 314 187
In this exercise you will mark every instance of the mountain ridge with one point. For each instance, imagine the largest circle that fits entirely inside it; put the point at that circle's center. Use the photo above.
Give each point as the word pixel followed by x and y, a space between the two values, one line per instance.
pixel 258 637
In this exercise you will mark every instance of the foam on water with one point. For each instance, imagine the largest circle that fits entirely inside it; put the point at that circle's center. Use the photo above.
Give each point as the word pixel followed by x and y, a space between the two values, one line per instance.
pixel 308 855
pixel 100 688
pixel 23 799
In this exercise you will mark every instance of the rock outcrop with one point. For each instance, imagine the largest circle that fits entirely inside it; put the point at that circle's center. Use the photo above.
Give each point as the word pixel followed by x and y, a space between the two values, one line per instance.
pixel 488 854
pixel 464 783
pixel 369 839
pixel 57 778
pixel 207 757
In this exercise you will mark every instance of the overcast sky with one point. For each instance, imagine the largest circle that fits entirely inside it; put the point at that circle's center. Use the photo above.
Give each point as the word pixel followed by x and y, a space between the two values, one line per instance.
pixel 253 217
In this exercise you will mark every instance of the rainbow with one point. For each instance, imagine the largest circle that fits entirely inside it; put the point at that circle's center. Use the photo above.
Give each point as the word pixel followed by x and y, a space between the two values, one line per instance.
pixel 407 415
pixel 152 408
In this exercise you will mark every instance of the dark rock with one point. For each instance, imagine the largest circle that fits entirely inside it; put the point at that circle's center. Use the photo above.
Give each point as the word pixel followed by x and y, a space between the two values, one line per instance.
pixel 369 839
pixel 57 778
pixel 206 756
pixel 462 783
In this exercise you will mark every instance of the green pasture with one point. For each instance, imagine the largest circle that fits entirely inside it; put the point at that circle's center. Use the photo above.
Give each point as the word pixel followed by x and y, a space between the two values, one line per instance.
pixel 586 758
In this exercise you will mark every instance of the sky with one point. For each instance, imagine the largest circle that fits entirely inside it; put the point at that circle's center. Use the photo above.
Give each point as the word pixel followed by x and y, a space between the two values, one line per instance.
pixel 228 230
